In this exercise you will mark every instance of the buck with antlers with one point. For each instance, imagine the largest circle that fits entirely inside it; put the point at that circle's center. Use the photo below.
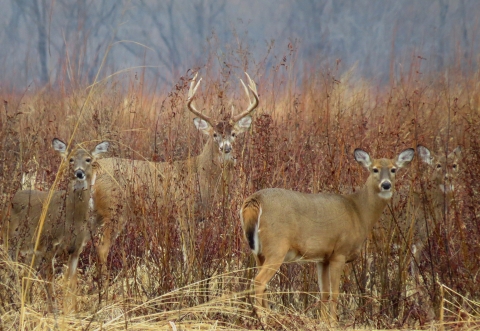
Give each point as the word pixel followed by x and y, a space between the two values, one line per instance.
pixel 66 228
pixel 210 169
pixel 329 229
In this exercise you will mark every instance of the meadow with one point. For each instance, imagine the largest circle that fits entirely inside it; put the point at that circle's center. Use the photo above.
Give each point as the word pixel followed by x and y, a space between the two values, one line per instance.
pixel 302 138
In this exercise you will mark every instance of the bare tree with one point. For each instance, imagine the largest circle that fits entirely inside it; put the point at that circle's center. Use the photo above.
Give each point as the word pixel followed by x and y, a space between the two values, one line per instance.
pixel 36 12
pixel 181 28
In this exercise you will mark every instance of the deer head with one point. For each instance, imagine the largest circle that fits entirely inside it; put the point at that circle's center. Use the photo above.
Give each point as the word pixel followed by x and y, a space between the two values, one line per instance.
pixel 445 167
pixel 223 132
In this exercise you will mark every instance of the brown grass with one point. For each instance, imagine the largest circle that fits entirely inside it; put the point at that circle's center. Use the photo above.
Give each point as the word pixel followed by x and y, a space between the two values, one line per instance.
pixel 303 137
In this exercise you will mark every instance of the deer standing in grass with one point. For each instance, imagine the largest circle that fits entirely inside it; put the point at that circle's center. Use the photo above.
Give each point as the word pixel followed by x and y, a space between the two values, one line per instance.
pixel 66 228
pixel 432 204
pixel 329 229
pixel 122 179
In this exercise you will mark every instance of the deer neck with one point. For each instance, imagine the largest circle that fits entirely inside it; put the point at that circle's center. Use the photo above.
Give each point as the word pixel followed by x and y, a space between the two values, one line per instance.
pixel 78 200
pixel 369 204
pixel 212 161
pixel 440 195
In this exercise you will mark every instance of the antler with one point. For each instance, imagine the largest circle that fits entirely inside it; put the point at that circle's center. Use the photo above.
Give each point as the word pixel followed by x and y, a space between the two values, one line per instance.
pixel 252 106
pixel 191 94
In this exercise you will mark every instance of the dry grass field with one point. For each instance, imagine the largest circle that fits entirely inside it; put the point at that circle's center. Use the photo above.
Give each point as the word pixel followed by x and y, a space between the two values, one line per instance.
pixel 302 138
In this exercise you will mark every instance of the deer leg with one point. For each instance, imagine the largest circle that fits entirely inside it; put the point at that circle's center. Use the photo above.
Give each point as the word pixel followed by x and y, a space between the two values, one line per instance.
pixel 71 278
pixel 267 271
pixel 335 270
pixel 108 235
pixel 72 269
pixel 417 249
pixel 102 252
pixel 49 277
pixel 259 260
pixel 104 244
pixel 323 275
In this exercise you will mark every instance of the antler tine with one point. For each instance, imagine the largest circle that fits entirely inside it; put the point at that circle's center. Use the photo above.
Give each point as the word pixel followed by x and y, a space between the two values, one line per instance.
pixel 246 91
pixel 252 105
pixel 191 95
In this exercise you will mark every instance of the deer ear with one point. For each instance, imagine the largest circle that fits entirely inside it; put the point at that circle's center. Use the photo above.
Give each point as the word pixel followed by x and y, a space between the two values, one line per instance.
pixel 424 154
pixel 457 153
pixel 101 148
pixel 202 125
pixel 243 124
pixel 362 157
pixel 59 146
pixel 405 157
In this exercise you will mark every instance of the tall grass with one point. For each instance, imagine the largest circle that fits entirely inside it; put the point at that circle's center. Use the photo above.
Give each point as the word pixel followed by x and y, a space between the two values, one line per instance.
pixel 303 137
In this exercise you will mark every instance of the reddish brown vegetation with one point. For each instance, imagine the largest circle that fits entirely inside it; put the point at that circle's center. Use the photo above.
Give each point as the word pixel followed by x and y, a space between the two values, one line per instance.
pixel 303 137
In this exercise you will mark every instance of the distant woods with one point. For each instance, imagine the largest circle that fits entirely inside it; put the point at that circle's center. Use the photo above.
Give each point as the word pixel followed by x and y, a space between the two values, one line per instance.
pixel 46 41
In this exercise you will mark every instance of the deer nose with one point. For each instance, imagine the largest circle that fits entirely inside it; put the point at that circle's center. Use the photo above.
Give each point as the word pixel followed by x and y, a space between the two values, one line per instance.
pixel 386 185
pixel 226 149
pixel 80 174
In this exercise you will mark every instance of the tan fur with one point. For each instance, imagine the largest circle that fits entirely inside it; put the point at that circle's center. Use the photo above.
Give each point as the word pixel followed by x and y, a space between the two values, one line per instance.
pixel 121 181
pixel 428 208
pixel 66 228
pixel 328 229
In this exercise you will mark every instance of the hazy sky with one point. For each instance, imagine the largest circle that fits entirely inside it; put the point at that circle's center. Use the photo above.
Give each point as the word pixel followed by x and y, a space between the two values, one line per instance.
pixel 46 41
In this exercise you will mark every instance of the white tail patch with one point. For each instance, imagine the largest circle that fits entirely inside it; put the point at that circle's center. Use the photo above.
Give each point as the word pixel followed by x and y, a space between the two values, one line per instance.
pixel 256 249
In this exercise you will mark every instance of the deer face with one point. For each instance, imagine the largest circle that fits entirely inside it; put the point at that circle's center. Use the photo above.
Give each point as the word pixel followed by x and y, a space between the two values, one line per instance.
pixel 383 171
pixel 81 161
pixel 224 133
pixel 445 168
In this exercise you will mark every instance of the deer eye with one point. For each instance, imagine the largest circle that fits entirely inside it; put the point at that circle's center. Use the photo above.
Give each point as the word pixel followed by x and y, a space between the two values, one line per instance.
pixel 71 160
pixel 88 160
pixel 375 170
pixel 393 170
pixel 233 134
pixel 439 166
pixel 454 166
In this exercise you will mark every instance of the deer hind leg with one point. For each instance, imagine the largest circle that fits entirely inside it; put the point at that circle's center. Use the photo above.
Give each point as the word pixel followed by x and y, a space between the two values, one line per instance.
pixel 109 233
pixel 267 270
pixel 104 244
pixel 103 249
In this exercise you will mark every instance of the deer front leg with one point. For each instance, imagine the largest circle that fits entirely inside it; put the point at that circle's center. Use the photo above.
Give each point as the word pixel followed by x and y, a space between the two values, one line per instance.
pixel 336 266
pixel 323 275
pixel 71 279
pixel 49 277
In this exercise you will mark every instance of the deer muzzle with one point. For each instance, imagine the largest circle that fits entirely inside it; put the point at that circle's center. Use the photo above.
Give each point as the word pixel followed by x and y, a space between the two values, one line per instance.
pixel 80 174
pixel 385 185
pixel 226 148
pixel 385 189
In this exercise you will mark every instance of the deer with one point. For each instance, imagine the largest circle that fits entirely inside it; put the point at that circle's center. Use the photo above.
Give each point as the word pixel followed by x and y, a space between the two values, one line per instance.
pixel 281 225
pixel 210 169
pixel 66 228
pixel 444 170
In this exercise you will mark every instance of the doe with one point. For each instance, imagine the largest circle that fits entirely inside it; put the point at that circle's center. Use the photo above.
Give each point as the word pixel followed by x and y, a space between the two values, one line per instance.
pixel 282 225
pixel 66 228
pixel 433 204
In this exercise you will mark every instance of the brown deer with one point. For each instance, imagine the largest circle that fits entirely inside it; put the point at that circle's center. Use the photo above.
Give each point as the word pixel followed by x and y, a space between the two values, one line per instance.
pixel 66 228
pixel 432 205
pixel 329 229
pixel 123 179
